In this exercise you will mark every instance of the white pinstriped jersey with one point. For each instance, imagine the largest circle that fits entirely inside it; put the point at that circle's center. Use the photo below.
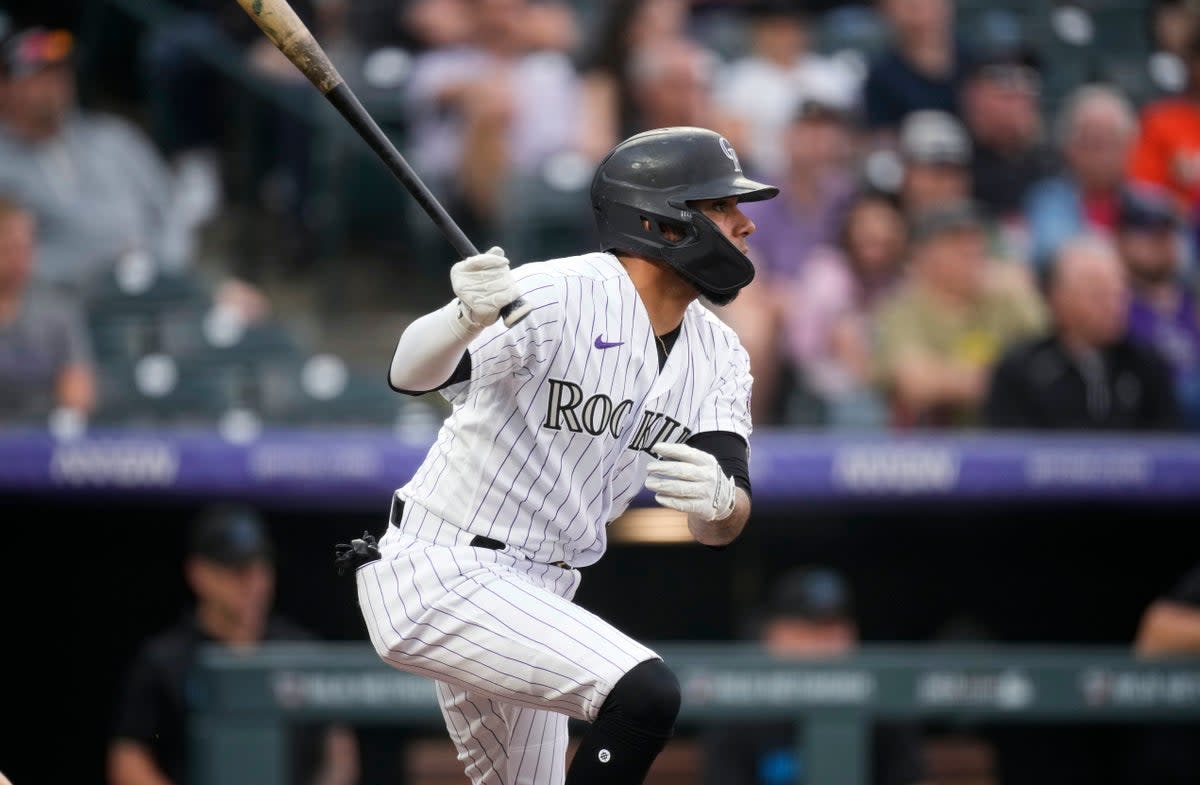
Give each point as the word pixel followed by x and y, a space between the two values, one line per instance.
pixel 549 439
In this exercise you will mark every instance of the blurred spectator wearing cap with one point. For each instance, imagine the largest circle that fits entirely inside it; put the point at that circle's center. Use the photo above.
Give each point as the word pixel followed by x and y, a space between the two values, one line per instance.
pixel 1095 132
pixel 1009 152
pixel 766 87
pixel 805 217
pixel 1162 308
pixel 935 160
pixel 937 337
pixel 96 184
pixel 1087 374
pixel 496 106
pixel 98 188
pixel 45 351
pixel 830 304
pixel 229 566
pixel 935 155
pixel 809 614
pixel 924 69
pixel 1167 151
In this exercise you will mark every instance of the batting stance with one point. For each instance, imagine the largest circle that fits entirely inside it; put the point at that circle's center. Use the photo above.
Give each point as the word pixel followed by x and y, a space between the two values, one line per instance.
pixel 618 378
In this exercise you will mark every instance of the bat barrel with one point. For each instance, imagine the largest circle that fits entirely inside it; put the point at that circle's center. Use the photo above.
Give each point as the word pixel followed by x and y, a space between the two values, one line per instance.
pixel 280 23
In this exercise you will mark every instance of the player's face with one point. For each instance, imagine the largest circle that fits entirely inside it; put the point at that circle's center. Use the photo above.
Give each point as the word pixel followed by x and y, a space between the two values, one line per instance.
pixel 37 105
pixel 729 218
pixel 240 593
pixel 802 638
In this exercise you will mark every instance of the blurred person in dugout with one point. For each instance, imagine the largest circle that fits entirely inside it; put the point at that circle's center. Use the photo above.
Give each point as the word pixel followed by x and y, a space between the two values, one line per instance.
pixel 1160 753
pixel 98 188
pixel 45 352
pixel 937 336
pixel 808 216
pixel 1094 132
pixel 1162 309
pixel 809 614
pixel 498 105
pixel 230 568
pixel 1087 373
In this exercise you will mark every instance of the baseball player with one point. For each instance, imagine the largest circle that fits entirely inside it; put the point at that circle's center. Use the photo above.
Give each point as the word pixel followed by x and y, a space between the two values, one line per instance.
pixel 618 378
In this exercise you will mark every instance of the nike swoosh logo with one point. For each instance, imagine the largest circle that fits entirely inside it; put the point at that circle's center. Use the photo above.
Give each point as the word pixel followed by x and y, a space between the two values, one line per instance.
pixel 603 344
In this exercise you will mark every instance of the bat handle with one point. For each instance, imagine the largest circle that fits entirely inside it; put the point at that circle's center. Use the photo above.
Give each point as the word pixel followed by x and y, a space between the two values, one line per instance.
pixel 515 311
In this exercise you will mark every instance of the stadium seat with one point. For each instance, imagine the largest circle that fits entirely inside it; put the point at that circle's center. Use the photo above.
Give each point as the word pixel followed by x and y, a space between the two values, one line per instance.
pixel 134 311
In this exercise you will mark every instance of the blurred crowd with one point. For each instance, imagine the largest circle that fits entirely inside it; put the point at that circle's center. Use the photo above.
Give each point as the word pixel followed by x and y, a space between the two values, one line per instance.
pixel 954 247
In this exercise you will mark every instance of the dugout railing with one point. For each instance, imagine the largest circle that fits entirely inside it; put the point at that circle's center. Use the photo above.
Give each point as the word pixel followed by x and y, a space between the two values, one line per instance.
pixel 243 704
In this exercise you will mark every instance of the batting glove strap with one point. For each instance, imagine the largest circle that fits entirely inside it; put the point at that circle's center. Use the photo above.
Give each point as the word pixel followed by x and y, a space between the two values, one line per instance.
pixel 484 284
pixel 458 319
pixel 691 481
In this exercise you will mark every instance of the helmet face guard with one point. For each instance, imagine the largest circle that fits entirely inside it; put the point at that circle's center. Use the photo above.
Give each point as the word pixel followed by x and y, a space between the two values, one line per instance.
pixel 647 182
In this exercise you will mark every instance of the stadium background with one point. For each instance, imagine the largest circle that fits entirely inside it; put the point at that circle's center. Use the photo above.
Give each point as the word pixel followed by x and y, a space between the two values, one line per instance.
pixel 95 570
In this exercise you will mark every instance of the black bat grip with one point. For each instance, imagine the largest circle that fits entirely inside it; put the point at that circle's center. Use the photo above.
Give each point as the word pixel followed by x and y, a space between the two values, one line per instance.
pixel 347 103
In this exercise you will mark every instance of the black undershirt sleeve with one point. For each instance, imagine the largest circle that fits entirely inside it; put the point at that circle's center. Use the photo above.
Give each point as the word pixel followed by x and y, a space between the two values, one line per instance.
pixel 733 456
pixel 731 453
pixel 462 373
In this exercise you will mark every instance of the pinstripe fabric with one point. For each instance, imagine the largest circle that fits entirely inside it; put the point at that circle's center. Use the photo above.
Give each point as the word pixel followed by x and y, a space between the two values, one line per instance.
pixel 503 466
pixel 546 443
pixel 512 655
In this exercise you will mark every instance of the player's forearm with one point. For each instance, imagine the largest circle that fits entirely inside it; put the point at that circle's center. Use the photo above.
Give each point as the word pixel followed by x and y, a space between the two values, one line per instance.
pixel 130 763
pixel 1169 628
pixel 725 530
pixel 430 349
pixel 922 383
pixel 340 765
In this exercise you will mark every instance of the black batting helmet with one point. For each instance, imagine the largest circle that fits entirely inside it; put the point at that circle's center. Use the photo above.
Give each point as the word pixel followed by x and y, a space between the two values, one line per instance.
pixel 653 176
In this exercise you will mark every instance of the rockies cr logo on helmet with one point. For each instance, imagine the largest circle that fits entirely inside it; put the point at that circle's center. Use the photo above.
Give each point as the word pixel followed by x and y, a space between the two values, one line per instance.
pixel 727 148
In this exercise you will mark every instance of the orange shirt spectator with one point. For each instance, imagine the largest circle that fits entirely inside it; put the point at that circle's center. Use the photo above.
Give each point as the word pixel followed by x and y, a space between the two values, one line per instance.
pixel 1167 152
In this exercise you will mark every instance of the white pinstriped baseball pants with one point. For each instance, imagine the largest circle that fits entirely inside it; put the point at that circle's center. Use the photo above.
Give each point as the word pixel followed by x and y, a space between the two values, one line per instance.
pixel 512 655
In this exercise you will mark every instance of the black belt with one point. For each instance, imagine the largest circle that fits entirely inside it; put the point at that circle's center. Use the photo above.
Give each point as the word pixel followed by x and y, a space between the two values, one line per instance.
pixel 478 541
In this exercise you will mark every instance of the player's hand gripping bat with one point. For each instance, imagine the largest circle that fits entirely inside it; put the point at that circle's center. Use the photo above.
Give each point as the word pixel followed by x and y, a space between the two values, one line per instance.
pixel 293 38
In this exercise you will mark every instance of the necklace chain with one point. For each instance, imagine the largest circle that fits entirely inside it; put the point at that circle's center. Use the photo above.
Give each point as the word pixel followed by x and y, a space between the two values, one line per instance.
pixel 663 344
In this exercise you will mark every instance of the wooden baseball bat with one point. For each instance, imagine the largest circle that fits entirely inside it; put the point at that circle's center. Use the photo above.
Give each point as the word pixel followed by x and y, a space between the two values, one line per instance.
pixel 290 35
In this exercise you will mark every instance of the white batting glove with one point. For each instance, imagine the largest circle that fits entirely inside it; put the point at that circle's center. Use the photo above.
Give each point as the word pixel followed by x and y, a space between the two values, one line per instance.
pixel 483 284
pixel 691 481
